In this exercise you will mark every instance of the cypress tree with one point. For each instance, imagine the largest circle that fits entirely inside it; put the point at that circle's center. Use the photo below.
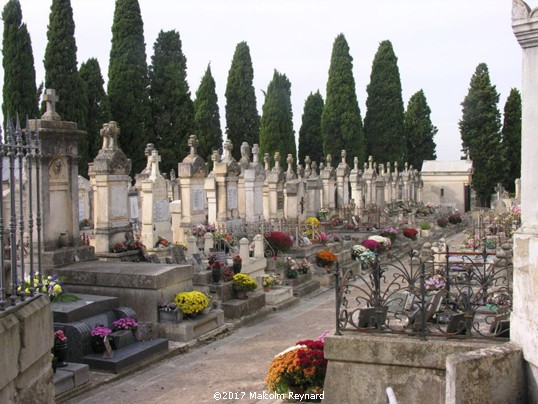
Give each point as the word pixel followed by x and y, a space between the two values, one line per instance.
pixel 384 119
pixel 207 118
pixel 242 119
pixel 61 70
pixel 480 133
pixel 19 90
pixel 276 131
pixel 97 112
pixel 171 104
pixel 310 137
pixel 341 122
pixel 128 82
pixel 419 131
pixel 511 139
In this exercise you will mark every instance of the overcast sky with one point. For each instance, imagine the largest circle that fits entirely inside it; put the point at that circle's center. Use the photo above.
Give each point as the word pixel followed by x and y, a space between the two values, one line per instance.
pixel 438 43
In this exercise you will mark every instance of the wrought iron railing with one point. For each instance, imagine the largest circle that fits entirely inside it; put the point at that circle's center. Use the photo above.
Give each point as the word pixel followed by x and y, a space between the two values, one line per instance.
pixel 466 295
pixel 20 155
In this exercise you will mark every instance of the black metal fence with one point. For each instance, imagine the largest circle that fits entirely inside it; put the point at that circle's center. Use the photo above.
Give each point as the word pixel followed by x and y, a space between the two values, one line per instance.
pixel 451 294
pixel 20 215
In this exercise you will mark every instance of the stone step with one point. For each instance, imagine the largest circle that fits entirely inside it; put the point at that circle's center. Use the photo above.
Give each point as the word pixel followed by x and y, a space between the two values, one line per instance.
pixel 278 295
pixel 235 309
pixel 306 288
pixel 126 357
pixel 70 377
pixel 190 329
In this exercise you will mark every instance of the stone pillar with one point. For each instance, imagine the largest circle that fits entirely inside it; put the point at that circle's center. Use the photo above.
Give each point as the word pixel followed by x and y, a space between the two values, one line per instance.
pixel 109 175
pixel 208 242
pixel 342 182
pixel 175 212
pixel 329 184
pixel 259 250
pixel 59 175
pixel 192 247
pixel 244 252
pixel 524 317
pixel 210 187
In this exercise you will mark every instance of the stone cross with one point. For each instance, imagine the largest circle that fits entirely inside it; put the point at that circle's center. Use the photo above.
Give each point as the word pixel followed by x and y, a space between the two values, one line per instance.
pixel 154 160
pixel 147 152
pixel 51 99
pixel 256 154
pixel 193 144
pixel 499 189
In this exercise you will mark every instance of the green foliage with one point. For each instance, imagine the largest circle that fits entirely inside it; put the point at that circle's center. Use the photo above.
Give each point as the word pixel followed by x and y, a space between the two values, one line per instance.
pixel 341 123
pixel 19 90
pixel 384 119
pixel 419 131
pixel 61 71
pixel 97 112
pixel 276 131
pixel 310 137
pixel 172 107
pixel 207 118
pixel 242 119
pixel 480 133
pixel 128 82
pixel 511 139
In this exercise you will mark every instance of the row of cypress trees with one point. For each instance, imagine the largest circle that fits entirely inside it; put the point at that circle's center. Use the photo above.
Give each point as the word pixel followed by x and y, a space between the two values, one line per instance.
pixel 153 104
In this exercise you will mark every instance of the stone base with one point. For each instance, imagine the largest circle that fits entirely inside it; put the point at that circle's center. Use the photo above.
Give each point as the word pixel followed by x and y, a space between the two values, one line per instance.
pixel 126 357
pixel 65 256
pixel 278 295
pixel 70 377
pixel 235 309
pixel 191 329
pixel 223 291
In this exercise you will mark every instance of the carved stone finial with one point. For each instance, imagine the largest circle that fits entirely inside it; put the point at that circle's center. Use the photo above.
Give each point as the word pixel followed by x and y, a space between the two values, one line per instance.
pixel 343 154
pixel 109 133
pixel 356 163
pixel 193 144
pixel 277 160
pixel 329 160
pixel 215 156
pixel 154 160
pixel 266 161
pixel 255 154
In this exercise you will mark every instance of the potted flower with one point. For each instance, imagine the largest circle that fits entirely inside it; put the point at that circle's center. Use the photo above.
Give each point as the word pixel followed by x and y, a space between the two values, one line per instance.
pixel 425 229
pixel 120 247
pixel 372 245
pixel 227 275
pixel 162 242
pixel 242 284
pixel 168 312
pixel 237 263
pixel 454 218
pixel 364 255
pixel 326 259
pixel 442 222
pixel 436 282
pixel 99 334
pixel 215 266
pixel 60 348
pixel 191 303
pixel 279 241
pixel 390 233
pixel 384 242
pixel 299 369
pixel 125 323
pixel 269 282
pixel 410 233
pixel 322 214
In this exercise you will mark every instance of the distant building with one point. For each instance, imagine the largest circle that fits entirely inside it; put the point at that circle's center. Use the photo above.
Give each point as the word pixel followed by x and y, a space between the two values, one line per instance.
pixel 448 183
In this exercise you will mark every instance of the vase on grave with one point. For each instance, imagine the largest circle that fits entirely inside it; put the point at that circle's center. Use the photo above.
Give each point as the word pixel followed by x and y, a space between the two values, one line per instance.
pixel 236 266
pixel 60 352
pixel 216 273
pixel 170 316
pixel 98 344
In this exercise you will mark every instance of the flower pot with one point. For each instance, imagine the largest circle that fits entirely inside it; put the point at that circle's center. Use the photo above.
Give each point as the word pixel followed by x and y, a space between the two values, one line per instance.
pixel 174 317
pixel 60 352
pixel 424 233
pixel 98 345
pixel 266 288
pixel 216 274
pixel 241 295
pixel 236 266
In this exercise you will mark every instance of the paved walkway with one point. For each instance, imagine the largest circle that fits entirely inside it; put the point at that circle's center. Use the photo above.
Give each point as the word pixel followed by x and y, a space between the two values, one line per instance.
pixel 233 365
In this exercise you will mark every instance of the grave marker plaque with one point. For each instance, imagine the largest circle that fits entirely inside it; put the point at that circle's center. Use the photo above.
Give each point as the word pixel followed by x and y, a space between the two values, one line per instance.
pixel 231 197
pixel 280 200
pixel 198 200
pixel 161 211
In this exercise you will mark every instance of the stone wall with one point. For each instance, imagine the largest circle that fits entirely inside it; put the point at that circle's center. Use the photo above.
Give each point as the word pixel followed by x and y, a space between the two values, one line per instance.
pixel 362 366
pixel 26 337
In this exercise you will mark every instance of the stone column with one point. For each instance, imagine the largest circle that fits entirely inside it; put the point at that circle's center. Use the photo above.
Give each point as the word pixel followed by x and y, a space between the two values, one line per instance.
pixel 524 317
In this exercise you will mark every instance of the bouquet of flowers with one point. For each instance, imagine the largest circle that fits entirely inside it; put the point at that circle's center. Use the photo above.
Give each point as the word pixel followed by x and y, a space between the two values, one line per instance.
pixel 442 222
pixel 312 222
pixel 270 281
pixel 120 247
pixel 435 282
pixel 243 283
pixel 227 275
pixel 125 323
pixel 52 286
pixel 390 233
pixel 162 242
pixel 199 230
pixel 59 337
pixel 322 214
pixel 299 369
pixel 372 245
pixel 292 268
pixel 454 218
pixel 304 266
pixel 363 254
pixel 165 305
